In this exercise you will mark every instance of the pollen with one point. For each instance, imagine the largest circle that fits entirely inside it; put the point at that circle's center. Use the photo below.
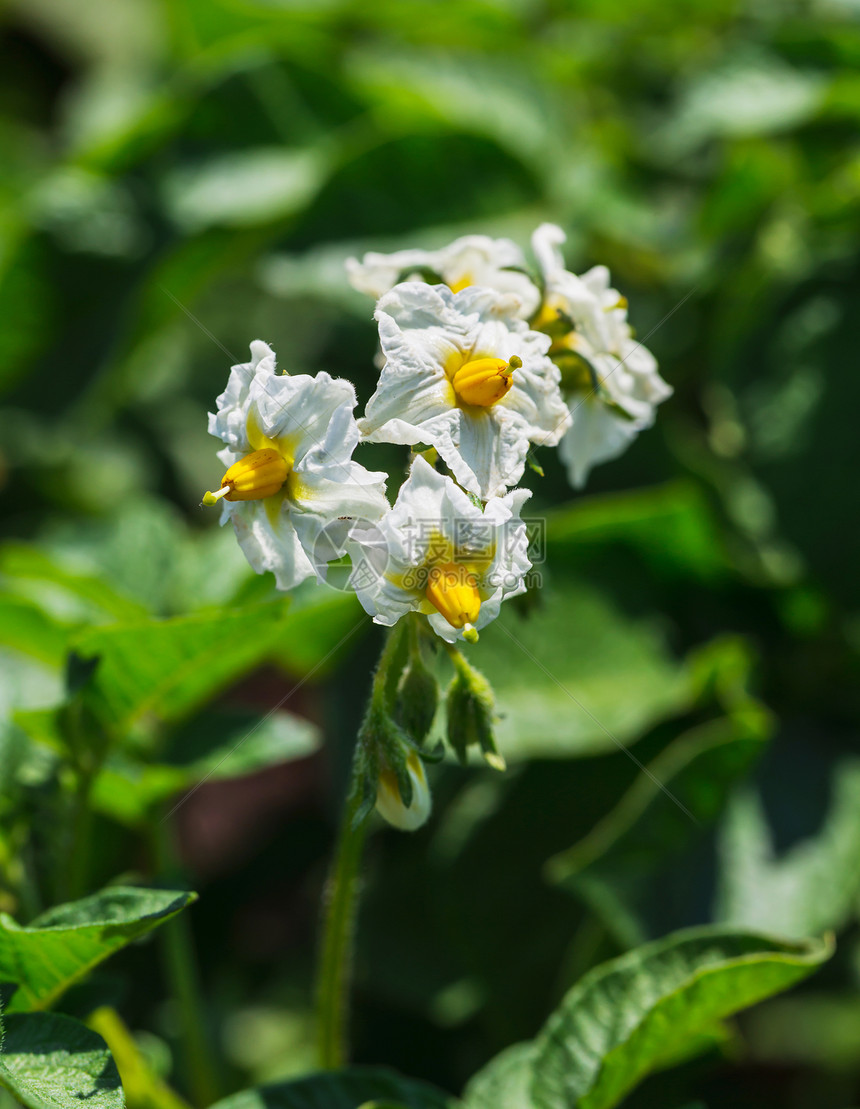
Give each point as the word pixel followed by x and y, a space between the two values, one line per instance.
pixel 483 381
pixel 453 591
pixel 257 475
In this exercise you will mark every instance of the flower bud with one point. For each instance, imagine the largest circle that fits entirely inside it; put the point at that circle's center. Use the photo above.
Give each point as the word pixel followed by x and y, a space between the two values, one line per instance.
pixel 417 699
pixel 403 798
pixel 483 381
pixel 471 710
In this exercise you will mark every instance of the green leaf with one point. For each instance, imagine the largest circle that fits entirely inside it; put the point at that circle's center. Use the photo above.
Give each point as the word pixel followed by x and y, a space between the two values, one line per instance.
pixel 213 746
pixel 346 1089
pixel 685 786
pixel 25 563
pixel 63 945
pixel 505 1082
pixel 49 1061
pixel 143 1088
pixel 243 188
pixel 319 629
pixel 26 628
pixel 612 680
pixel 624 1018
pixel 669 526
pixel 169 667
pixel 813 886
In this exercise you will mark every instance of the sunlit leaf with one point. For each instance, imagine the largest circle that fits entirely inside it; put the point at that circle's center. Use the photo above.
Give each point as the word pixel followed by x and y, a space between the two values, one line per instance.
pixel 39 962
pixel 25 627
pixel 575 676
pixel 49 1061
pixel 630 1016
pixel 624 1018
pixel 168 667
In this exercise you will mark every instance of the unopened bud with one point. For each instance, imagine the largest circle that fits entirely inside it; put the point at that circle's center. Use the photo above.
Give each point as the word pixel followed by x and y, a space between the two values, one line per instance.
pixel 417 699
pixel 403 795
pixel 471 713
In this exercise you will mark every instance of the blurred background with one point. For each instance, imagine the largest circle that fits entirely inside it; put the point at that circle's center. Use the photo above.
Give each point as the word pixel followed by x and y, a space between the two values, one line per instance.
pixel 181 177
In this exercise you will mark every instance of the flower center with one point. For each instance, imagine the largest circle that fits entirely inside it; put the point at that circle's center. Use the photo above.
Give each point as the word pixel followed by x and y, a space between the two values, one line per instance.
pixel 257 475
pixel 453 591
pixel 483 381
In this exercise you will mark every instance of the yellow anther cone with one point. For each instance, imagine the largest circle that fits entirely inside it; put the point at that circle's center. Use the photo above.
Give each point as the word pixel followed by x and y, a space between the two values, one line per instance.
pixel 257 475
pixel 453 591
pixel 483 381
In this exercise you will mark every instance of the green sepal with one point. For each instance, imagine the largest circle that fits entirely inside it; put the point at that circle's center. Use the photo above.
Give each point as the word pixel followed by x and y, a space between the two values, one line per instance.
pixel 433 754
pixel 471 714
pixel 417 699
pixel 577 372
pixel 534 465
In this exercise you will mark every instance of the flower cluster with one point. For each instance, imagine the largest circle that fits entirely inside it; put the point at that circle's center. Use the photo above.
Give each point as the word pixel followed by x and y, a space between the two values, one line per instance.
pixel 481 361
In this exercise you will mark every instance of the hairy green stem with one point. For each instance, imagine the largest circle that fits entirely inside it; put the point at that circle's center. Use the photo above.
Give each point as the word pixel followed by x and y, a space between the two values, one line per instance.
pixel 180 961
pixel 340 899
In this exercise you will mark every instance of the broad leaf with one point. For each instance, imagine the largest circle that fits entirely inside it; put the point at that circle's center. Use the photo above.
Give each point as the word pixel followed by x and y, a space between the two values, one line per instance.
pixel 670 527
pixel 28 565
pixel 812 886
pixel 39 962
pixel 683 787
pixel 625 1018
pixel 346 1089
pixel 49 1061
pixel 576 677
pixel 26 628
pixel 168 667
pixel 505 1082
pixel 212 747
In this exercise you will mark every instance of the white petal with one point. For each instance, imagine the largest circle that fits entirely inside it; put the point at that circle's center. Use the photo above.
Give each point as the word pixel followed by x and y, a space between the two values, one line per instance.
pixel 468 261
pixel 596 435
pixel 269 541
pixel 229 421
pixel 306 414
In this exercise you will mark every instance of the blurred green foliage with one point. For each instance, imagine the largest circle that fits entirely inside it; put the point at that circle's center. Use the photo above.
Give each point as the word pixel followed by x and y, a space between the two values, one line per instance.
pixel 183 176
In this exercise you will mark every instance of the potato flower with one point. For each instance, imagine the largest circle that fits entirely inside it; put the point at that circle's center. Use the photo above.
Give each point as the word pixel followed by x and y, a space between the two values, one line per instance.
pixel 290 474
pixel 610 381
pixel 464 374
pixel 436 552
pixel 470 260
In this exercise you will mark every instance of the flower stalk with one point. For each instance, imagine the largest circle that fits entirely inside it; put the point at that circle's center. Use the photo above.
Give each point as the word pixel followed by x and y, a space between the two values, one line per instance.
pixel 340 904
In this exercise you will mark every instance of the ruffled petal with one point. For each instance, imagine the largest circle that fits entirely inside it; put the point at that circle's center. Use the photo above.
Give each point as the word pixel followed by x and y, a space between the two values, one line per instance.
pixel 269 541
pixel 229 422
pixel 597 434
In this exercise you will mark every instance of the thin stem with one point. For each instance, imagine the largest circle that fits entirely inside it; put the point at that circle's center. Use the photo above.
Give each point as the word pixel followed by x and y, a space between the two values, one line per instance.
pixel 340 900
pixel 335 963
pixel 181 968
pixel 76 871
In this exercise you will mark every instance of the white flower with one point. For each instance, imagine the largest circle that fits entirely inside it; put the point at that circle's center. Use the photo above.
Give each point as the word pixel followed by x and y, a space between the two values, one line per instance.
pixel 437 553
pixel 471 260
pixel 291 488
pixel 389 802
pixel 610 381
pixel 464 374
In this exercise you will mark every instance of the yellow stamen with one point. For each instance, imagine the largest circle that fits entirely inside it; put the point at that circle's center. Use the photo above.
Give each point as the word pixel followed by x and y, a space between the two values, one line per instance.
pixel 484 381
pixel 463 283
pixel 453 590
pixel 257 475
